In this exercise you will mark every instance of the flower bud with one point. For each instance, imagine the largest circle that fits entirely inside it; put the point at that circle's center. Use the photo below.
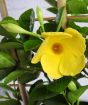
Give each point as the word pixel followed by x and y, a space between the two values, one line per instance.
pixel 72 86
pixel 40 17
pixel 14 28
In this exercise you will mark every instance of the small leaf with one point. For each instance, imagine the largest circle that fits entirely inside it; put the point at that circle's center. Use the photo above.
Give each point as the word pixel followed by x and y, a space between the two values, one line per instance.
pixel 10 45
pixel 73 96
pixel 31 44
pixel 59 18
pixel 59 85
pixel 13 76
pixel 53 10
pixel 6 60
pixel 31 75
pixel 52 2
pixel 27 19
pixel 41 93
pixel 49 27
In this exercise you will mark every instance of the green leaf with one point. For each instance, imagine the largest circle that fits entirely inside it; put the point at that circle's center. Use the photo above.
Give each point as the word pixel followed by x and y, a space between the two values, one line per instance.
pixel 29 76
pixel 41 93
pixel 31 44
pixel 73 96
pixel 36 84
pixel 23 58
pixel 52 2
pixel 77 6
pixel 53 10
pixel 6 60
pixel 4 73
pixel 27 20
pixel 10 102
pixel 59 85
pixel 10 45
pixel 57 100
pixel 59 18
pixel 13 76
pixel 49 27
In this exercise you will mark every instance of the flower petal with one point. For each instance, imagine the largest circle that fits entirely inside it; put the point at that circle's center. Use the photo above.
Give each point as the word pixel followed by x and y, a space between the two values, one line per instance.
pixel 71 65
pixel 78 40
pixel 73 32
pixel 58 34
pixel 50 64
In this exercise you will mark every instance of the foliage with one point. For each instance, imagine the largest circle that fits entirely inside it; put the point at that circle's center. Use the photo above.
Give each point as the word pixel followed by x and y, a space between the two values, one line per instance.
pixel 16 54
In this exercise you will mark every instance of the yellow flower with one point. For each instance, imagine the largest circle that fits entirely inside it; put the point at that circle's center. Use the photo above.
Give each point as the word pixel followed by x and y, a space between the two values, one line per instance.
pixel 61 53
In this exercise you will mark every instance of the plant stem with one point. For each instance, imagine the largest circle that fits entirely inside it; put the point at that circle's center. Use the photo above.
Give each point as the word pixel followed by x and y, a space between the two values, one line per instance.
pixel 62 3
pixel 33 34
pixel 23 94
pixel 78 102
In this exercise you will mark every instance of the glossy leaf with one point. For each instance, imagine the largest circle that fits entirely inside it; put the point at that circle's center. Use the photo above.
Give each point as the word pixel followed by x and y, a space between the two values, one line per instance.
pixel 52 2
pixel 31 44
pixel 13 76
pixel 73 96
pixel 28 76
pixel 6 60
pixel 53 10
pixel 41 93
pixel 27 19
pixel 59 85
pixel 49 27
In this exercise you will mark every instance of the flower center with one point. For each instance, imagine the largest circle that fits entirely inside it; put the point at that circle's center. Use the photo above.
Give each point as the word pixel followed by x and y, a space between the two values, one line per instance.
pixel 57 48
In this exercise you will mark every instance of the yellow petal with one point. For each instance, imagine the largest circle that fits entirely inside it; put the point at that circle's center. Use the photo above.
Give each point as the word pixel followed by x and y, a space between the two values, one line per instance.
pixel 71 65
pixel 77 43
pixel 59 34
pixel 73 32
pixel 39 53
pixel 50 64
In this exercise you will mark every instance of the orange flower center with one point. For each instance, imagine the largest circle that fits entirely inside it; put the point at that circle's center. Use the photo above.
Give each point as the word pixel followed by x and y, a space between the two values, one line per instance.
pixel 57 48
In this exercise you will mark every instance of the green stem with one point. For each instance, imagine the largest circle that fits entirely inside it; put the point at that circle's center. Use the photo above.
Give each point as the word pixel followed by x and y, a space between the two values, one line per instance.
pixel 64 94
pixel 78 102
pixel 33 34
